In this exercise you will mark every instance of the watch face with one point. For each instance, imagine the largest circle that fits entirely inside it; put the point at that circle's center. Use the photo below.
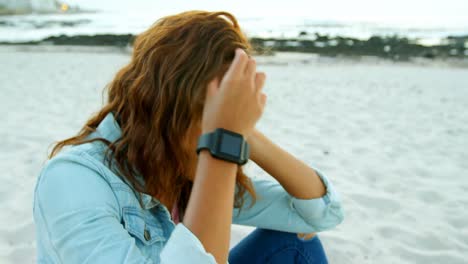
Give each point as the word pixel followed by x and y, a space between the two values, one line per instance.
pixel 230 145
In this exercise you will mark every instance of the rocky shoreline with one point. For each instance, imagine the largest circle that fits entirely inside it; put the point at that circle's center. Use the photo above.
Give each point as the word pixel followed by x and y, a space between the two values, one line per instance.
pixel 393 48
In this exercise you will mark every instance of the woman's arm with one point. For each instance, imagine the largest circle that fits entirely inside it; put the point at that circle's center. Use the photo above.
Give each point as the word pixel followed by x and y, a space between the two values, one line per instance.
pixel 236 105
pixel 298 179
pixel 278 209
pixel 209 210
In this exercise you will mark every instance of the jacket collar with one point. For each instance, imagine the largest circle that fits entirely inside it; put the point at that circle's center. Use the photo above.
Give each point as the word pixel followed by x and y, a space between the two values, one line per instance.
pixel 110 130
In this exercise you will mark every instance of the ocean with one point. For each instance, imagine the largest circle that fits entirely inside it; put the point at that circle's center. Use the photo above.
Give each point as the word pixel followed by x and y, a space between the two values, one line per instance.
pixel 428 24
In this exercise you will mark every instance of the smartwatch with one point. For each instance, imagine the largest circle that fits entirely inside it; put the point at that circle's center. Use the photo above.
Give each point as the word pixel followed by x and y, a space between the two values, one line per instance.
pixel 226 145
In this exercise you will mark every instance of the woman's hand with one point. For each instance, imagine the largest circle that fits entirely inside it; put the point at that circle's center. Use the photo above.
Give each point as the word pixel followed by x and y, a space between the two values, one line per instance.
pixel 236 102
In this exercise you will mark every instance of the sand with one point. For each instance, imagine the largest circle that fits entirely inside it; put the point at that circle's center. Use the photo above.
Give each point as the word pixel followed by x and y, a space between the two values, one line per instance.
pixel 393 137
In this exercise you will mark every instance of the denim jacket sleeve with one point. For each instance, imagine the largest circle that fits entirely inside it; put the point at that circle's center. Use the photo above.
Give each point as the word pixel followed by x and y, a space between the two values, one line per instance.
pixel 78 212
pixel 276 209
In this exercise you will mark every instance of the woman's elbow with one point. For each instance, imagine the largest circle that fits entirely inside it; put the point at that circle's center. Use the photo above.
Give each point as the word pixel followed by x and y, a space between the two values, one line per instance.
pixel 333 216
pixel 338 214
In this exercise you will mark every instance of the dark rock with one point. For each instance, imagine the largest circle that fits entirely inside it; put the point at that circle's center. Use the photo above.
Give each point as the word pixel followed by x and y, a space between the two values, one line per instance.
pixel 428 55
pixel 96 40
pixel 321 38
pixel 392 47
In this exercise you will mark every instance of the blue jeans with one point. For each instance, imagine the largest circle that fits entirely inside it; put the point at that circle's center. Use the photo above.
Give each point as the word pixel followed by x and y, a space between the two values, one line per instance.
pixel 276 247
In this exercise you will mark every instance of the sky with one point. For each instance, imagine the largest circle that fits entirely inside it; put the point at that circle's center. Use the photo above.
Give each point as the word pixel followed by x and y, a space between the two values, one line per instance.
pixel 451 13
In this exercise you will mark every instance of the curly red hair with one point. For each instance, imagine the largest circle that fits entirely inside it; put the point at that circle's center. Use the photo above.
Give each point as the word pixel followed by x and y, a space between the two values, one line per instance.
pixel 158 98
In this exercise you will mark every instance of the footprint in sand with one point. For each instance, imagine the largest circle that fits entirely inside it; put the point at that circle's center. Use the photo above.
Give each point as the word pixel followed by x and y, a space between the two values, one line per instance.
pixel 382 204
pixel 430 196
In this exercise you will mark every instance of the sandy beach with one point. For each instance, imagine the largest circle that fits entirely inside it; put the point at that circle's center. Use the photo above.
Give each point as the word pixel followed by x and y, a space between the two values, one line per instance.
pixel 391 136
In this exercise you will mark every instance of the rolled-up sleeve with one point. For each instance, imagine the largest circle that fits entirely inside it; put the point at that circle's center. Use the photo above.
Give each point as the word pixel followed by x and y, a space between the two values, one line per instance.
pixel 278 210
pixel 184 247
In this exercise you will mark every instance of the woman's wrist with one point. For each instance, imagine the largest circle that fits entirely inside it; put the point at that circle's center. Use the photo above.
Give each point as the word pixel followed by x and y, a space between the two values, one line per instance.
pixel 256 140
pixel 205 157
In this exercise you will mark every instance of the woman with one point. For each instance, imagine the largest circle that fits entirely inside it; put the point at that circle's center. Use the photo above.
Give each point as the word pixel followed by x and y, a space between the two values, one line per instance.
pixel 105 196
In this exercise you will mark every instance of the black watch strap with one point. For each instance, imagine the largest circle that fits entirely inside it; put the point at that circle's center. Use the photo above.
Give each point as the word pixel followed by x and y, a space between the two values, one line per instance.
pixel 206 141
pixel 226 145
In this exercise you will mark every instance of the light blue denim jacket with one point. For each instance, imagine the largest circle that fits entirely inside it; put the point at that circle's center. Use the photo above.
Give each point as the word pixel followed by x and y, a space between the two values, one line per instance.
pixel 85 213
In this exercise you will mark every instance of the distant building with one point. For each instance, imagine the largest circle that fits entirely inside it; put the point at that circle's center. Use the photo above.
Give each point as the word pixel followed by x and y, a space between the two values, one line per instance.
pixel 45 5
pixel 18 6
pixel 27 6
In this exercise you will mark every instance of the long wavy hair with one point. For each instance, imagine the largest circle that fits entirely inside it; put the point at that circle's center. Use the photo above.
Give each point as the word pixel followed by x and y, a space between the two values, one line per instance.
pixel 158 99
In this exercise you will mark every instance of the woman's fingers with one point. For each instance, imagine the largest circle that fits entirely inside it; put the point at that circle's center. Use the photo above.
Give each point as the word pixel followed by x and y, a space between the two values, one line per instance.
pixel 263 99
pixel 238 102
pixel 250 70
pixel 238 65
pixel 260 78
pixel 212 87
